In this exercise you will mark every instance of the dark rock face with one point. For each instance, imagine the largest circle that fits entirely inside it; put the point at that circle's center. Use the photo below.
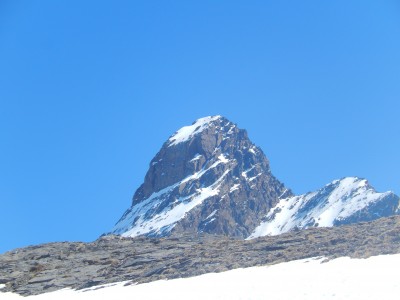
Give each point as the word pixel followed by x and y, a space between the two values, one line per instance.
pixel 49 267
pixel 208 177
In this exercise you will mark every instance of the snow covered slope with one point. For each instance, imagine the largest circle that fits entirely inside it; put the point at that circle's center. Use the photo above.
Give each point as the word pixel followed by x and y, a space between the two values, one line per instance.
pixel 345 201
pixel 342 278
pixel 144 218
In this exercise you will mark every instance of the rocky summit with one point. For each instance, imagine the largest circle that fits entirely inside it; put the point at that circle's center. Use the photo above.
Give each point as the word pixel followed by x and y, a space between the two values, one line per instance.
pixel 210 178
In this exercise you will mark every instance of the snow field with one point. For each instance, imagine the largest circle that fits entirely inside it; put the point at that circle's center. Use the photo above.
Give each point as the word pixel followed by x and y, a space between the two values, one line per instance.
pixel 342 278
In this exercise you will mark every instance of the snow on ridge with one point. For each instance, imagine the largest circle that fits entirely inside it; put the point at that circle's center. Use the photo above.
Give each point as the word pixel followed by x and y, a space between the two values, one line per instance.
pixel 186 132
pixel 165 221
pixel 334 202
pixel 309 279
pixel 142 218
pixel 221 160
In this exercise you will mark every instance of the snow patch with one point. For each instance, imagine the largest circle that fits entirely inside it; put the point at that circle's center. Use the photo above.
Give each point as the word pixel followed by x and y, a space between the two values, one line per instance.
pixel 209 221
pixel 223 159
pixel 187 132
pixel 196 157
pixel 166 220
pixel 197 175
pixel 234 188
pixel 212 214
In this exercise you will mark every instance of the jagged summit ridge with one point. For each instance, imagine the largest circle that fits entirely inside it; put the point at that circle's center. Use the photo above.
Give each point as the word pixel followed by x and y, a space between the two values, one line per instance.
pixel 207 177
pixel 345 201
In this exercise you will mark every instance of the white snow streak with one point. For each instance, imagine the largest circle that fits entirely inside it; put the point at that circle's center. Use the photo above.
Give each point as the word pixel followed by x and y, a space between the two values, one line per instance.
pixel 211 215
pixel 234 188
pixel 244 173
pixel 138 221
pixel 196 157
pixel 254 177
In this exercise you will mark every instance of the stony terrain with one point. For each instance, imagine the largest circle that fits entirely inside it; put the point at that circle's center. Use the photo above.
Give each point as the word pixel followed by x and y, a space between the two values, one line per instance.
pixel 48 267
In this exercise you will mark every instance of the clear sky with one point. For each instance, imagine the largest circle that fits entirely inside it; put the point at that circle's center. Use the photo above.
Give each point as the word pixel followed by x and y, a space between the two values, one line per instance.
pixel 89 91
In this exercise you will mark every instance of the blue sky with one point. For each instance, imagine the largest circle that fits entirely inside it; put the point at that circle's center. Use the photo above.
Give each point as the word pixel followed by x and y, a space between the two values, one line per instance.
pixel 89 91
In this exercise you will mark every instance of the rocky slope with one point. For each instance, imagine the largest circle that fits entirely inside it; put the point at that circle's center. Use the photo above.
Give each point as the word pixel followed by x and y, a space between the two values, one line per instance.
pixel 49 267
pixel 208 177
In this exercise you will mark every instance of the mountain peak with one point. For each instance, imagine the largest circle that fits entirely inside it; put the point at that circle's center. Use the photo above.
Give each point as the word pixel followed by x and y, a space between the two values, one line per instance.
pixel 187 132
pixel 343 201
pixel 207 177
pixel 350 180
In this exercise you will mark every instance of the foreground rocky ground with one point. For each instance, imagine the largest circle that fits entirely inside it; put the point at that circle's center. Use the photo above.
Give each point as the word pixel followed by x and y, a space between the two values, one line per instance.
pixel 48 267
